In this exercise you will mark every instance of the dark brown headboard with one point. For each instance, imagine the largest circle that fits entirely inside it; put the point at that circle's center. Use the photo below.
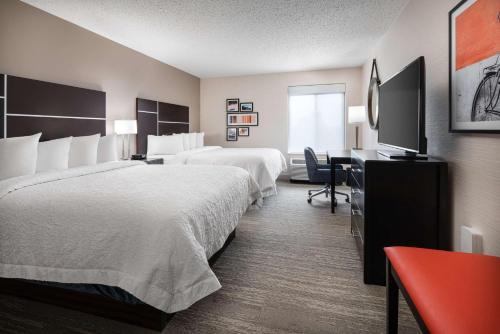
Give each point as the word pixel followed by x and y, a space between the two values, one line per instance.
pixel 159 118
pixel 30 106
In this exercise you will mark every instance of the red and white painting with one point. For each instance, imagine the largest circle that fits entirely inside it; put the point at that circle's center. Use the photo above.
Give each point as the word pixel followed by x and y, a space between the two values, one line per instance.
pixel 475 66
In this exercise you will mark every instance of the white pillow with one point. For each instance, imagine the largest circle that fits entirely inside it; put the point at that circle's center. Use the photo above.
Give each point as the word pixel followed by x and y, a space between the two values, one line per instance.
pixel 18 156
pixel 185 141
pixel 200 138
pixel 83 151
pixel 158 145
pixel 192 140
pixel 106 149
pixel 53 154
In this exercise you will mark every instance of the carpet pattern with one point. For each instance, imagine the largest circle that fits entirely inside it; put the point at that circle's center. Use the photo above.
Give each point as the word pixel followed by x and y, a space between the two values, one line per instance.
pixel 292 268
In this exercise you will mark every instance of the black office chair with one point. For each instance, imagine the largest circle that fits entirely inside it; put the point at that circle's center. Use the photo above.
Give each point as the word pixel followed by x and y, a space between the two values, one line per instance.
pixel 319 173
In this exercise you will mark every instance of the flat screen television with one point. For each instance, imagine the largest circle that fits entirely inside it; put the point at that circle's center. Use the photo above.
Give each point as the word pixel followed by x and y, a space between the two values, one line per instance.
pixel 402 112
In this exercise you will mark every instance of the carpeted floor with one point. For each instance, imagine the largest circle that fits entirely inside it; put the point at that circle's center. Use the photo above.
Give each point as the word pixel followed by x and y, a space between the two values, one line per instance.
pixel 292 268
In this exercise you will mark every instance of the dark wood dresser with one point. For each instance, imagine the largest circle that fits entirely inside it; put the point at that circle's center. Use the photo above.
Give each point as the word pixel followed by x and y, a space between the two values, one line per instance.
pixel 396 203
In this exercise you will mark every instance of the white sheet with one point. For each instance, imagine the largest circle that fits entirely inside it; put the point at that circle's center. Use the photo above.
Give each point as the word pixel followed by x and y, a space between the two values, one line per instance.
pixel 146 229
pixel 263 164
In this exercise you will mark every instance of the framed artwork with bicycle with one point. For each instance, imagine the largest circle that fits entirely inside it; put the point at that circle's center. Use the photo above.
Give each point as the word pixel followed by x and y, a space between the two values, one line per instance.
pixel 475 66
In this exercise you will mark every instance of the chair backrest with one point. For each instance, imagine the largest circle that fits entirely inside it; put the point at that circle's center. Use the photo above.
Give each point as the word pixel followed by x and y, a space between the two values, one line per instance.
pixel 311 162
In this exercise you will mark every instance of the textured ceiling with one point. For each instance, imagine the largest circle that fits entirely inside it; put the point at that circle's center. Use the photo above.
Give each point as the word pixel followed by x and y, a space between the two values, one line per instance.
pixel 214 38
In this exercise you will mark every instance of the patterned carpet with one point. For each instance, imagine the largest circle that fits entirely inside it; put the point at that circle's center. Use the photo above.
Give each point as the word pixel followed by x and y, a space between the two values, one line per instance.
pixel 292 268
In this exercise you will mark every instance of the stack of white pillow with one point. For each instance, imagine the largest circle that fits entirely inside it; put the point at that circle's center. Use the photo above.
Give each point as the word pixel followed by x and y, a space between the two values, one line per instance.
pixel 173 144
pixel 21 156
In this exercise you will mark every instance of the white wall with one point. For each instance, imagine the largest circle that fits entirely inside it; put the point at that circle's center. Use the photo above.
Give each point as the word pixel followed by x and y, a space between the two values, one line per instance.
pixel 474 159
pixel 269 93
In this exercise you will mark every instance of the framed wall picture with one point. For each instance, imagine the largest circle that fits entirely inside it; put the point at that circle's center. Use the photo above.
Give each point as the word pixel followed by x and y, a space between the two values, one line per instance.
pixel 244 132
pixel 243 119
pixel 475 66
pixel 246 106
pixel 232 105
pixel 232 134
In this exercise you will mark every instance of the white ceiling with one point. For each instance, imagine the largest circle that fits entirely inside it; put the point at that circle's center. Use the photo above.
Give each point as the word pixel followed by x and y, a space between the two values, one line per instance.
pixel 215 38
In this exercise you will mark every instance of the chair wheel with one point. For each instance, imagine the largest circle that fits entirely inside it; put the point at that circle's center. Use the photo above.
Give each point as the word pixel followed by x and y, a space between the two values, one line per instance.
pixel 309 193
pixel 347 200
pixel 309 200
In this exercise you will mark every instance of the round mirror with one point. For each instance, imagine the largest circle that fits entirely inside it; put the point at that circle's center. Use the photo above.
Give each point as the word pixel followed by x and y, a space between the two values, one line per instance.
pixel 373 103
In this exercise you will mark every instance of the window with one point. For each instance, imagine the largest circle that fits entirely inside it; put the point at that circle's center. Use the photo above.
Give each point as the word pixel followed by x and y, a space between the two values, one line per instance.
pixel 316 118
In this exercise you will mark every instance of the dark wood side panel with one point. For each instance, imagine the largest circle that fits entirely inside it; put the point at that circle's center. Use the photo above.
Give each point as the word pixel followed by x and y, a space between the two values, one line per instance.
pixel 47 98
pixel 53 128
pixel 137 314
pixel 146 125
pixel 171 128
pixel 168 112
pixel 2 83
pixel 2 101
pixel 147 105
pixel 2 117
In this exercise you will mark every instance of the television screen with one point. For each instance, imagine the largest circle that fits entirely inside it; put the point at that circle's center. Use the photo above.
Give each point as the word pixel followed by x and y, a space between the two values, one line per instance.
pixel 402 109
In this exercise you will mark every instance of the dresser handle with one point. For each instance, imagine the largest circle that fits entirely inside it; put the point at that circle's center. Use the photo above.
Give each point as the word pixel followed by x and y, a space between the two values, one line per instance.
pixel 356 212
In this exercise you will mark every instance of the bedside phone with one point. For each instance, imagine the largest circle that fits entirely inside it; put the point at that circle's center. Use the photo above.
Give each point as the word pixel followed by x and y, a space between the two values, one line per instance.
pixel 138 157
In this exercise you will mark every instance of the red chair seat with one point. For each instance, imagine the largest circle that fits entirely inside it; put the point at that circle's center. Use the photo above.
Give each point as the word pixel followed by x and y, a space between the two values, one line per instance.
pixel 452 292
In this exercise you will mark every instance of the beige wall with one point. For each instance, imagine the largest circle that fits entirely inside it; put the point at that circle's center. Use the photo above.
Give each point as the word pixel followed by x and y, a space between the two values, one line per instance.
pixel 269 93
pixel 35 44
pixel 474 159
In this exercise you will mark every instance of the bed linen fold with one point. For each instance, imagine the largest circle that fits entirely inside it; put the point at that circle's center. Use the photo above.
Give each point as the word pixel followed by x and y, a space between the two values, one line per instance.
pixel 263 164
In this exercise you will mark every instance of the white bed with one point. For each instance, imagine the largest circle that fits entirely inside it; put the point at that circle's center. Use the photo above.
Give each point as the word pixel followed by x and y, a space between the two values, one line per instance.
pixel 263 164
pixel 146 229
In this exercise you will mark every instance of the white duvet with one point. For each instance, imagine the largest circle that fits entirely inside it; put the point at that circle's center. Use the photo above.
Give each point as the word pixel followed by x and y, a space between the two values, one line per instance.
pixel 146 229
pixel 264 164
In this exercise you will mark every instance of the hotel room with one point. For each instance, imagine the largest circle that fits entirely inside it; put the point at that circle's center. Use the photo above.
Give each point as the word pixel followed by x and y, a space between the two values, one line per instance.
pixel 261 166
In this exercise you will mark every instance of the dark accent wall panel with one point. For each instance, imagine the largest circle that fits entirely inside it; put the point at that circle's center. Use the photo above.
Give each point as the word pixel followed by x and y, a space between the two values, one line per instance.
pixel 2 117
pixel 146 125
pixel 168 112
pixel 2 83
pixel 47 98
pixel 53 128
pixel 171 128
pixel 147 105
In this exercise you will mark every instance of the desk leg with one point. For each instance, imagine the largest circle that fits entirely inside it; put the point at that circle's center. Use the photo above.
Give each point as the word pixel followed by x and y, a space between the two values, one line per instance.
pixel 332 184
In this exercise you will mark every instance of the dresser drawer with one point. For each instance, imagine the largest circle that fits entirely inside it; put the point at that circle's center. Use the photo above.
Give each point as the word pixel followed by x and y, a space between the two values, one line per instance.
pixel 356 230
pixel 357 174
pixel 357 221
pixel 358 198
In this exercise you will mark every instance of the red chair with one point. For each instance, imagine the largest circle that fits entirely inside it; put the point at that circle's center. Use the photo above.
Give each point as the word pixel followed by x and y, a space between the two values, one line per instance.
pixel 448 292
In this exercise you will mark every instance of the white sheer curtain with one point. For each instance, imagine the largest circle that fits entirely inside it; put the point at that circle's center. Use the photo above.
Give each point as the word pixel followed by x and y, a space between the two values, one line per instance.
pixel 316 118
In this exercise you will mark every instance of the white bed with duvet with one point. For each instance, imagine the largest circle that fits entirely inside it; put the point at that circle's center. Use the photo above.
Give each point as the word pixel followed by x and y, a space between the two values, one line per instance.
pixel 146 229
pixel 263 164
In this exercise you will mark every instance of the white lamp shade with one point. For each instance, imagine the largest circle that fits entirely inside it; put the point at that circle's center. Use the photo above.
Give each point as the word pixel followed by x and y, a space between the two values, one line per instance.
pixel 126 127
pixel 356 114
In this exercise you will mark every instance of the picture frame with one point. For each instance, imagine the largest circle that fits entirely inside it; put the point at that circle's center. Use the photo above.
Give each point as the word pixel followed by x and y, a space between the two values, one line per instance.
pixel 232 134
pixel 232 105
pixel 242 119
pixel 474 68
pixel 246 106
pixel 244 132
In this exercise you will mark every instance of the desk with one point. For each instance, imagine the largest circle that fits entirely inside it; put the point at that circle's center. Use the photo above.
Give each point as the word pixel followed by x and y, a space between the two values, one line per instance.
pixel 335 157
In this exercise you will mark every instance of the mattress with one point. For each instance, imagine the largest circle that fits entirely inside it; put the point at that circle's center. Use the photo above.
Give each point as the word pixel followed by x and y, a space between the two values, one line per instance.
pixel 263 164
pixel 148 230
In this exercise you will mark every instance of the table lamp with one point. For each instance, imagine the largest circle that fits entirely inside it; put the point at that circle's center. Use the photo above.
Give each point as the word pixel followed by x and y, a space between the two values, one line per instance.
pixel 126 127
pixel 356 115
